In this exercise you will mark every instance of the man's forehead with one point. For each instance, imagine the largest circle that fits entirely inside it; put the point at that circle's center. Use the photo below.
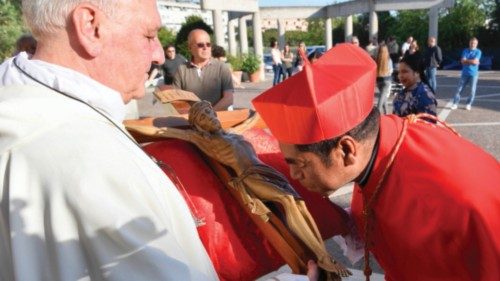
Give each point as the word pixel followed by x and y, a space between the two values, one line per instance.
pixel 288 150
pixel 133 13
pixel 201 36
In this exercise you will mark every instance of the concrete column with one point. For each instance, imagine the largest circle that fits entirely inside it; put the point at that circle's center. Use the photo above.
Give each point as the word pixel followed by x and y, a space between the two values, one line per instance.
pixel 328 33
pixel 232 36
pixel 373 30
pixel 243 35
pixel 219 31
pixel 348 29
pixel 433 22
pixel 281 33
pixel 373 25
pixel 257 42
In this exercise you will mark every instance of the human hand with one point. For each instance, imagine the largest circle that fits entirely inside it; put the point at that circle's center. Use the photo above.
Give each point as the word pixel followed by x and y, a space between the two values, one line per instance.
pixel 312 270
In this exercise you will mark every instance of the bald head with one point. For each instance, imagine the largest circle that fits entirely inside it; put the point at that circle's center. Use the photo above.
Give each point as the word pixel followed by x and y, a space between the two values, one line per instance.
pixel 196 33
pixel 199 46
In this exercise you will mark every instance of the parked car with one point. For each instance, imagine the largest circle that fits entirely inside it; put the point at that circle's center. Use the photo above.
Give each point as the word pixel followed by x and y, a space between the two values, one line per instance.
pixel 312 49
pixel 268 63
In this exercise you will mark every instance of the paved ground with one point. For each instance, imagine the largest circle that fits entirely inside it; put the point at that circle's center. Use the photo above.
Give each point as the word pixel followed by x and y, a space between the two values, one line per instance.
pixel 481 125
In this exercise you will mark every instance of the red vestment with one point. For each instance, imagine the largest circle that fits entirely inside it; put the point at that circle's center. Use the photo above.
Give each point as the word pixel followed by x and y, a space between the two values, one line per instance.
pixel 437 216
pixel 237 248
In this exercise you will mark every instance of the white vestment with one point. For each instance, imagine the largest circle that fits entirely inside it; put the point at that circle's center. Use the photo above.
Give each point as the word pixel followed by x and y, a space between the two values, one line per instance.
pixel 78 199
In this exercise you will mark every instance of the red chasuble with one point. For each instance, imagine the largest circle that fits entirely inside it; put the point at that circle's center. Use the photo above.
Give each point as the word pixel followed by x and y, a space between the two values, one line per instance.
pixel 438 213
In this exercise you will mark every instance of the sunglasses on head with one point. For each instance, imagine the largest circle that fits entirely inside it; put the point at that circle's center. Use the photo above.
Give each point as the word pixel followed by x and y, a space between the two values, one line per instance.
pixel 203 45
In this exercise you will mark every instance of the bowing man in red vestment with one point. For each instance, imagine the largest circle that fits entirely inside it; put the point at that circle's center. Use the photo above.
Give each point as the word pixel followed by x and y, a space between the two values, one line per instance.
pixel 426 201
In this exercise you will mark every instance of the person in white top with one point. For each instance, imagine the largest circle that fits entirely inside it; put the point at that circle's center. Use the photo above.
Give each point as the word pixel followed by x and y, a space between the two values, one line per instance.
pixel 79 199
pixel 406 45
pixel 277 64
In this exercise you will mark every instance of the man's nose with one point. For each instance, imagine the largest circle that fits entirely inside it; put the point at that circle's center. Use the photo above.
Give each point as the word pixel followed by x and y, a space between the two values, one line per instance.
pixel 158 56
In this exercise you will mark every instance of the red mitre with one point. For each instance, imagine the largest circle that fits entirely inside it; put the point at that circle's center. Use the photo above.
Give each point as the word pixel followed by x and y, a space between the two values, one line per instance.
pixel 323 101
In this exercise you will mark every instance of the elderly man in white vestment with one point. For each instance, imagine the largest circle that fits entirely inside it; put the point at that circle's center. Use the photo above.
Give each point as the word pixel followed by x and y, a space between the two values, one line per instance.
pixel 79 199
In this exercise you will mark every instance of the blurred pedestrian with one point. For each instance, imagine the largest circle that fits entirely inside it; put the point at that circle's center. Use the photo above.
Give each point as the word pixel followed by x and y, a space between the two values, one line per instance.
pixel 384 77
pixel 299 63
pixel 470 72
pixel 372 48
pixel 287 59
pixel 413 50
pixel 393 47
pixel 417 96
pixel 172 63
pixel 355 41
pixel 27 44
pixel 406 45
pixel 277 63
pixel 432 59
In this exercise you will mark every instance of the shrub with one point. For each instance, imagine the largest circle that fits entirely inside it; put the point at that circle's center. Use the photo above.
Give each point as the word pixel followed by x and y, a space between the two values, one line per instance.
pixel 236 62
pixel 251 63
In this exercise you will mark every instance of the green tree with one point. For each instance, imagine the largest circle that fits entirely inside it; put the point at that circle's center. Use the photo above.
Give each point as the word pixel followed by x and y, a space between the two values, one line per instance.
pixel 166 36
pixel 460 23
pixel 316 32
pixel 385 21
pixel 489 34
pixel 359 27
pixel 494 23
pixel 338 30
pixel 11 27
pixel 192 22
pixel 411 23
pixel 268 36
pixel 295 36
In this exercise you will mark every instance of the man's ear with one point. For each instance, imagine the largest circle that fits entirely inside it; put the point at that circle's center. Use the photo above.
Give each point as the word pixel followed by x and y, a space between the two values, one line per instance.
pixel 348 148
pixel 86 20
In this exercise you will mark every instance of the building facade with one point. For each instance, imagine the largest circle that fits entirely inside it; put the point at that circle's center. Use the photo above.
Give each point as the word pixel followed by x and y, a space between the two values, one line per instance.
pixel 174 13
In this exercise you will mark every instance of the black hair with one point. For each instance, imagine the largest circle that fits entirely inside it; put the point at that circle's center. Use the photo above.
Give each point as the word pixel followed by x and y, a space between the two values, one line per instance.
pixel 26 43
pixel 218 52
pixel 273 42
pixel 365 130
pixel 416 63
pixel 169 46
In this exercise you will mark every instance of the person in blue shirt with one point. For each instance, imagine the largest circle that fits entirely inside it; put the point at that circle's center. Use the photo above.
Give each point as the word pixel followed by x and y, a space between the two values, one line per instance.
pixel 470 73
pixel 417 96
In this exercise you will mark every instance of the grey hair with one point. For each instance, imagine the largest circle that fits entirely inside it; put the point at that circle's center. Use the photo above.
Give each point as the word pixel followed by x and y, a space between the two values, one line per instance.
pixel 47 16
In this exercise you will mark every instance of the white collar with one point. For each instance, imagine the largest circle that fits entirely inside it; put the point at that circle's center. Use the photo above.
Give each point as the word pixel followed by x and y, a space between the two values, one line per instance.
pixel 70 82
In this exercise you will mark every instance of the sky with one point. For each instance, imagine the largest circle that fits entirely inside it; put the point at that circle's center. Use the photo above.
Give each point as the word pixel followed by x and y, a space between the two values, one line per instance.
pixel 266 3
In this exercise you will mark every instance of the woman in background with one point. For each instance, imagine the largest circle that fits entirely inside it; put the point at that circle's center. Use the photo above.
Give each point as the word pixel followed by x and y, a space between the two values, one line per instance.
pixel 417 96
pixel 287 59
pixel 299 62
pixel 384 78
pixel 413 50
